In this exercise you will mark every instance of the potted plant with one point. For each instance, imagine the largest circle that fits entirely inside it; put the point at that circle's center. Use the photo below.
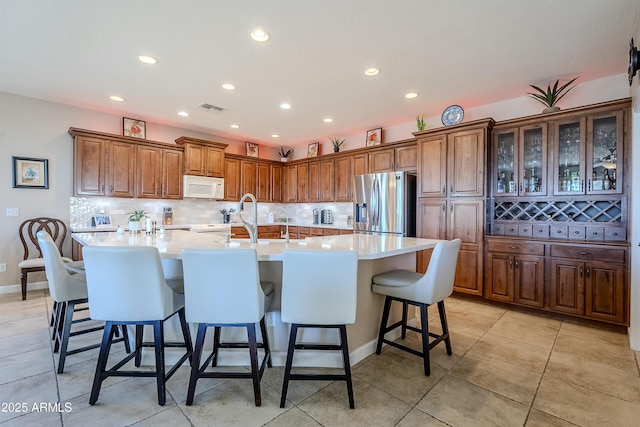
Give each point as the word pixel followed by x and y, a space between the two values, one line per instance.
pixel 552 95
pixel 420 122
pixel 337 143
pixel 134 220
pixel 285 153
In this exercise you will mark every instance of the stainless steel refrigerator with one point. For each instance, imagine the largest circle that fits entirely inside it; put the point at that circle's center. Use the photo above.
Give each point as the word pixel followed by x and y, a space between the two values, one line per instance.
pixel 385 203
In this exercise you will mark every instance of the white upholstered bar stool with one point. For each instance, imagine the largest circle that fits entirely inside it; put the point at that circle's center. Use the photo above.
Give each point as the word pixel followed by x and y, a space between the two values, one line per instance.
pixel 69 292
pixel 127 287
pixel 319 290
pixel 222 289
pixel 421 290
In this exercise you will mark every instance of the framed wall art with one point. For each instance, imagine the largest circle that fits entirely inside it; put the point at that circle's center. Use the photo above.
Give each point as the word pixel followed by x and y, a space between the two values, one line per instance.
pixel 100 220
pixel 374 137
pixel 134 127
pixel 30 173
pixel 252 149
pixel 312 151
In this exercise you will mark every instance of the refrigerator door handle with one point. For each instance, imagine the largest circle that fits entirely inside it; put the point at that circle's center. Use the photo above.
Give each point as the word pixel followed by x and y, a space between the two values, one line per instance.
pixel 376 203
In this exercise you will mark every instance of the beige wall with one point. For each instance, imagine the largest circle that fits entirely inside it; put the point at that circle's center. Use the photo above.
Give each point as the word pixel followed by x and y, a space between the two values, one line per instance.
pixel 34 128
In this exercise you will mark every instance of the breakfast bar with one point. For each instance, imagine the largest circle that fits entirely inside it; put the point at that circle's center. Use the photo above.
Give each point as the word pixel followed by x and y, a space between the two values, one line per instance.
pixel 376 254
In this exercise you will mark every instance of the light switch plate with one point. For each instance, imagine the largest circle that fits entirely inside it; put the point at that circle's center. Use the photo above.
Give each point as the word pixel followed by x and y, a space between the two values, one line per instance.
pixel 3 267
pixel 13 212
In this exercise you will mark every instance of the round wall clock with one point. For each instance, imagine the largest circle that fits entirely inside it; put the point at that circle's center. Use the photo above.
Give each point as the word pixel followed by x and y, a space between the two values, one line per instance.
pixel 452 115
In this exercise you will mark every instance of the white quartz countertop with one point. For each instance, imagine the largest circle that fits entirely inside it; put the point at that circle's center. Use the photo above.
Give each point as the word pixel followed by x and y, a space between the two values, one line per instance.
pixel 109 228
pixel 171 243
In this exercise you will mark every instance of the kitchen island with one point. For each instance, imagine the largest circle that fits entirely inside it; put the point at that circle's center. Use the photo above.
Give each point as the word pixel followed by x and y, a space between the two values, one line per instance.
pixel 376 254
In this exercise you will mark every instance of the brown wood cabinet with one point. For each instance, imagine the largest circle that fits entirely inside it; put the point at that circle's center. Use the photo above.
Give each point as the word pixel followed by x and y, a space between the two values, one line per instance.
pixel 360 164
pixel 314 181
pixel 343 178
pixel 291 183
pixel 149 172
pixel 277 183
pixel 172 166
pixel 232 179
pixel 382 161
pixel 248 177
pixel 406 158
pixel 103 167
pixel 326 180
pixel 263 182
pixel 203 158
pixel 303 182
pixel 514 272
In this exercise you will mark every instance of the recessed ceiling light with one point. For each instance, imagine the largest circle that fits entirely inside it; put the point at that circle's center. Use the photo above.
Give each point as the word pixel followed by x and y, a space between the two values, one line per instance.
pixel 147 59
pixel 183 113
pixel 116 98
pixel 411 95
pixel 328 120
pixel 228 86
pixel 235 126
pixel 372 71
pixel 275 135
pixel 285 106
pixel 259 35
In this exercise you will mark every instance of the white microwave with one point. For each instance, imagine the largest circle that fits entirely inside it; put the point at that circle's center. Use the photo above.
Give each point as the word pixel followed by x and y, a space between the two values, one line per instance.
pixel 202 187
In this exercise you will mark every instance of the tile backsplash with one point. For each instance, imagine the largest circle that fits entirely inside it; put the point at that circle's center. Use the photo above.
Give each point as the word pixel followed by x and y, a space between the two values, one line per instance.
pixel 194 211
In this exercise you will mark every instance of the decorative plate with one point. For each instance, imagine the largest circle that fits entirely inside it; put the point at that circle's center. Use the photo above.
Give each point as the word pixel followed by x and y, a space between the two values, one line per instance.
pixel 452 115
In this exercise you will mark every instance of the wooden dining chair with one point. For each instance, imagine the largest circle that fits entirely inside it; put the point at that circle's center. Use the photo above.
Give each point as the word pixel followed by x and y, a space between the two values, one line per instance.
pixel 32 259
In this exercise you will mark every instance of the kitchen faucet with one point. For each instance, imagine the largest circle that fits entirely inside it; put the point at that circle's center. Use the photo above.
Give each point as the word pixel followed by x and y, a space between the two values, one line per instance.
pixel 252 228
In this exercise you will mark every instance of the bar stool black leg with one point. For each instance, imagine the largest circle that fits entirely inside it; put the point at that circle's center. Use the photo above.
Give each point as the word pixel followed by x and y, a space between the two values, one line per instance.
pixel 195 362
pixel 138 350
pixel 445 327
pixel 383 323
pixel 105 347
pixel 425 339
pixel 347 365
pixel 405 308
pixel 216 346
pixel 158 340
pixel 287 368
pixel 253 354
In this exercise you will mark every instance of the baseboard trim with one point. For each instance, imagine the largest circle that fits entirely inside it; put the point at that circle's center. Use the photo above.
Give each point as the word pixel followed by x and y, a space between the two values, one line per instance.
pixel 33 286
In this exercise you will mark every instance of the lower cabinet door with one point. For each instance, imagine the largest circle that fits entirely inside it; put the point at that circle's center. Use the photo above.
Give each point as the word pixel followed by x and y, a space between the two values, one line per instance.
pixel 567 286
pixel 605 291
pixel 499 277
pixel 469 272
pixel 529 280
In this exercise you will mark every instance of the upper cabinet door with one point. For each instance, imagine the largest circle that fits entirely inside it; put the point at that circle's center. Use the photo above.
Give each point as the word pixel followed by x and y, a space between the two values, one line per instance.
pixel 194 159
pixel 466 150
pixel 569 164
pixel 533 160
pixel 432 161
pixel 121 170
pixel 343 179
pixel 149 172
pixel 90 166
pixel 605 153
pixel 505 161
pixel 215 162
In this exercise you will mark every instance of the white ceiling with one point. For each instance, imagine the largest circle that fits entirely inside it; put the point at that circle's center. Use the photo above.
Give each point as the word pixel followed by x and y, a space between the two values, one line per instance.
pixel 467 52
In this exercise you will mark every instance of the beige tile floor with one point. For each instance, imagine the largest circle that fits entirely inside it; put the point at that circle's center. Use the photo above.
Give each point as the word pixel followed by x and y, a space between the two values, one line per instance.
pixel 508 368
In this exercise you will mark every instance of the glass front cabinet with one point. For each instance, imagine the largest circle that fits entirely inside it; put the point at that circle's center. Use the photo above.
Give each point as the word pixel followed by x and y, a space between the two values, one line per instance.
pixel 588 155
pixel 520 158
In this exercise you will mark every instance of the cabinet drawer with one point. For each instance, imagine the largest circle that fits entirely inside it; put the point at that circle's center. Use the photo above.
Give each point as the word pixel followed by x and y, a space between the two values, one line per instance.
pixel 588 253
pixel 498 229
pixel 576 232
pixel 516 247
pixel 303 232
pixel 525 230
pixel 541 230
pixel 559 232
pixel 511 230
pixel 330 232
pixel 595 233
pixel 315 231
pixel 615 233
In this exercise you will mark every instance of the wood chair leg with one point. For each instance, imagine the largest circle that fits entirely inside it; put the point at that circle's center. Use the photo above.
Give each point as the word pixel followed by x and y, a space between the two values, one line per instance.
pixel 287 368
pixel 383 323
pixel 425 339
pixel 195 362
pixel 23 284
pixel 105 347
pixel 255 370
pixel 445 327
pixel 347 365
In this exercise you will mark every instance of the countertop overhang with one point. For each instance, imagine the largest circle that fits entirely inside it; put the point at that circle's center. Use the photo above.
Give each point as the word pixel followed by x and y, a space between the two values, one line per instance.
pixel 171 242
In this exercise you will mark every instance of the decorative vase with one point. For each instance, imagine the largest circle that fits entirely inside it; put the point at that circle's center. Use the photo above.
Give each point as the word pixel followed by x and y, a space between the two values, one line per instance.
pixel 336 149
pixel 134 226
pixel 284 159
pixel 550 110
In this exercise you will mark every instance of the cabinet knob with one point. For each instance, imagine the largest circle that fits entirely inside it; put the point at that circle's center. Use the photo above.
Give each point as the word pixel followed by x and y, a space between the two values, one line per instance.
pixel 451 189
pixel 583 253
pixel 513 247
pixel 444 189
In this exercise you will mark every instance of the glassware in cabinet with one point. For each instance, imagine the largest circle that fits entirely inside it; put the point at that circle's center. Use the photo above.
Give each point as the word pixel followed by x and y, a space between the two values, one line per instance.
pixel 506 171
pixel 605 153
pixel 569 176
pixel 533 160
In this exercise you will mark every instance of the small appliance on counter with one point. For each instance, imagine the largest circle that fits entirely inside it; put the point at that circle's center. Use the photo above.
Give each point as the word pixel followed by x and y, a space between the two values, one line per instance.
pixel 317 216
pixel 167 216
pixel 327 216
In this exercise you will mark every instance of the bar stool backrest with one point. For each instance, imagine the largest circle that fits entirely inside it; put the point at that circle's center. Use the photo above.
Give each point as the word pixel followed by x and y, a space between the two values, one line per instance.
pixel 63 286
pixel 127 284
pixel 437 283
pixel 319 287
pixel 222 286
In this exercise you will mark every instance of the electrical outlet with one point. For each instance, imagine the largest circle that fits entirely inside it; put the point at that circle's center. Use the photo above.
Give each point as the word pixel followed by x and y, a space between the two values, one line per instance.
pixel 13 212
pixel 3 267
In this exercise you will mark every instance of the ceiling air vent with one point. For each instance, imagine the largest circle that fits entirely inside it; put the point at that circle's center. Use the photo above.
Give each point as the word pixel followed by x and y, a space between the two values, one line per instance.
pixel 210 107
